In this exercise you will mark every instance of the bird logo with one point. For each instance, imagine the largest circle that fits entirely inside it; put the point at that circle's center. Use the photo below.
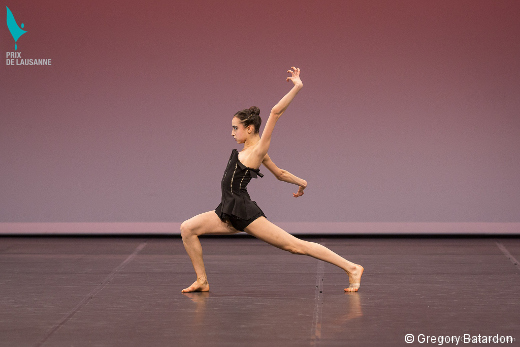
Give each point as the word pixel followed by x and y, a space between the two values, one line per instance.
pixel 15 30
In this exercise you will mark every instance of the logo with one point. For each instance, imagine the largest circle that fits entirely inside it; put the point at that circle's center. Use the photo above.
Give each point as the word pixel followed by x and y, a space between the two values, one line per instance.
pixel 15 58
pixel 15 30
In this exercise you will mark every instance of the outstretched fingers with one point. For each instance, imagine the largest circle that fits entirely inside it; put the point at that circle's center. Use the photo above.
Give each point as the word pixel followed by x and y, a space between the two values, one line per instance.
pixel 295 72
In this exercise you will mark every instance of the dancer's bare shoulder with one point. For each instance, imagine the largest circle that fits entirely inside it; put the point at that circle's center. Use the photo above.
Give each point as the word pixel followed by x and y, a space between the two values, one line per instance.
pixel 251 157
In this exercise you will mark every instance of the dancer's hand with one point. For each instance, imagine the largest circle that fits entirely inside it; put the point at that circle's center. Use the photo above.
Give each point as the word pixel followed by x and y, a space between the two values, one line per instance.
pixel 295 76
pixel 300 191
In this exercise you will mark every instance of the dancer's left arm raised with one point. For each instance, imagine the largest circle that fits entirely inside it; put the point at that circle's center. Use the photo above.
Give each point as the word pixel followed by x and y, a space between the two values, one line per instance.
pixel 276 112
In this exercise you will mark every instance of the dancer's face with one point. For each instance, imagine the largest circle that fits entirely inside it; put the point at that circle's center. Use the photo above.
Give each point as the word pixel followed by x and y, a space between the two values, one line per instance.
pixel 239 132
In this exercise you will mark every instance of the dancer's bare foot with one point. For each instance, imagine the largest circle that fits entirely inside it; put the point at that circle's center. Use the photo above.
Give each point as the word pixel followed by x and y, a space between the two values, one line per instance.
pixel 200 285
pixel 354 278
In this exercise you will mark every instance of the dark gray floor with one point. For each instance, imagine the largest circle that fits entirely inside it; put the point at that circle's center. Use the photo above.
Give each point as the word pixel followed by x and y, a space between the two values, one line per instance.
pixel 126 292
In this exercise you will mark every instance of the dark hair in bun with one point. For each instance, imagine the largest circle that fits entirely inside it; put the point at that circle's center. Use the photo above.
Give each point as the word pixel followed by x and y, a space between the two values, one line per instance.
pixel 250 116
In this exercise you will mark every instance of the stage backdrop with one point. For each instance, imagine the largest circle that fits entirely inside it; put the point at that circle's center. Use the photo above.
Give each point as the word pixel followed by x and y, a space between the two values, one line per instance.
pixel 116 115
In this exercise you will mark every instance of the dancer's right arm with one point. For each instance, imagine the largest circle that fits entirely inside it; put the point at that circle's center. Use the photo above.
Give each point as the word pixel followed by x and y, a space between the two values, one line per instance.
pixel 277 111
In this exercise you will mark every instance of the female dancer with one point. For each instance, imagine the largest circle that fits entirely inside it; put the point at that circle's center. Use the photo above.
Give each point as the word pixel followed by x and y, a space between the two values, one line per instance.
pixel 237 212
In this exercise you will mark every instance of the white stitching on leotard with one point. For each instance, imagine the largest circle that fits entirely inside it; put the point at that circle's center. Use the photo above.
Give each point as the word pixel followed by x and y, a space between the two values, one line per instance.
pixel 233 177
pixel 243 179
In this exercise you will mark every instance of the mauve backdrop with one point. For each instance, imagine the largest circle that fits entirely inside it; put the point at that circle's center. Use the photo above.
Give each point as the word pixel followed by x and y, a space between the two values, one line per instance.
pixel 410 110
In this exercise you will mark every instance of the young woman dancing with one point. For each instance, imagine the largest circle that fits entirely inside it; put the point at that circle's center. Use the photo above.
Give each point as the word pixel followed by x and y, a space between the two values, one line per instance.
pixel 237 212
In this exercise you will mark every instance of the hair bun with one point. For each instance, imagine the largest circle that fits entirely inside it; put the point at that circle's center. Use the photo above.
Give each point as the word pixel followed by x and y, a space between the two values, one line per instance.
pixel 250 116
pixel 254 110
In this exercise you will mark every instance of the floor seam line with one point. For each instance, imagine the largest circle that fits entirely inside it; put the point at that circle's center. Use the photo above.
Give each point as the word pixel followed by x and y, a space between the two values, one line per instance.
pixel 318 304
pixel 508 255
pixel 93 293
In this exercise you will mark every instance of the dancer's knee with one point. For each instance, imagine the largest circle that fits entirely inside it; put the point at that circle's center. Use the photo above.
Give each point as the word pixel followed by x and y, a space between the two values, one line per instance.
pixel 186 230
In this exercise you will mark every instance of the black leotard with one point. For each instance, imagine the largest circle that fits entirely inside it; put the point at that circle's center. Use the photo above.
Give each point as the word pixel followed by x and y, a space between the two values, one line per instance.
pixel 236 205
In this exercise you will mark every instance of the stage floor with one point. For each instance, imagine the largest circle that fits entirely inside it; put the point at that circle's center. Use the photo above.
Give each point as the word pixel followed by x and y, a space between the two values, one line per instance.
pixel 106 291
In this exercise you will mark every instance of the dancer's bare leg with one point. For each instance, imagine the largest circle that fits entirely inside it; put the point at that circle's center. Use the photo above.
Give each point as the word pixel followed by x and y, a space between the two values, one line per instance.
pixel 265 230
pixel 191 229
